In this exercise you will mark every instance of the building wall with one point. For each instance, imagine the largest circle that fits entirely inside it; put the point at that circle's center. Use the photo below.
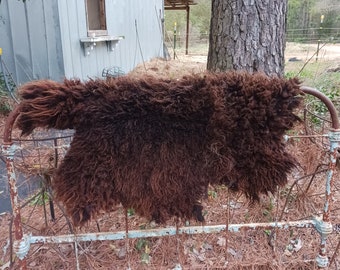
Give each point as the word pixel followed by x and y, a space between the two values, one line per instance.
pixel 138 21
pixel 30 39
pixel 41 38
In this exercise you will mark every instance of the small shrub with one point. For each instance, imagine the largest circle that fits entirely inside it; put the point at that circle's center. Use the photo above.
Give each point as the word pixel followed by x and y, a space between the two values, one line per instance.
pixel 39 199
pixel 5 98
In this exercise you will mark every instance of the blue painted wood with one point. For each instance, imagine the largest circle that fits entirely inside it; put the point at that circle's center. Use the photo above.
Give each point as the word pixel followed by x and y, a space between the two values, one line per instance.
pixel 122 17
pixel 6 40
pixel 20 40
pixel 32 49
pixel 53 40
pixel 169 231
pixel 43 38
pixel 37 41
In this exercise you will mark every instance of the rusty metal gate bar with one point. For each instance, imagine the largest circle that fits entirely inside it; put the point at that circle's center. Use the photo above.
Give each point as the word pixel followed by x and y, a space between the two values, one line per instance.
pixel 169 231
pixel 322 224
pixel 324 227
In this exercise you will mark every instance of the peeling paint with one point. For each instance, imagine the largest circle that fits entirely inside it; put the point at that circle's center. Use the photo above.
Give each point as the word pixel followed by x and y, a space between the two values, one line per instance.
pixel 170 231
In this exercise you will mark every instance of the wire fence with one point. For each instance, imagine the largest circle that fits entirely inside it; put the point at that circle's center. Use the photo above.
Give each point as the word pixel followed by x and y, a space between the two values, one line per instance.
pixel 296 228
pixel 313 35
pixel 198 43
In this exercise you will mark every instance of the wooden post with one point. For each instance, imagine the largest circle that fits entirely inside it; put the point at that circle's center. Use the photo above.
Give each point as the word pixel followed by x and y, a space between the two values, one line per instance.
pixel 175 37
pixel 187 33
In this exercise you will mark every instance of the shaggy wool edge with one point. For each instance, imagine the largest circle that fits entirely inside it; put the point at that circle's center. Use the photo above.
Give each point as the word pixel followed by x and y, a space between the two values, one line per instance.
pixel 155 145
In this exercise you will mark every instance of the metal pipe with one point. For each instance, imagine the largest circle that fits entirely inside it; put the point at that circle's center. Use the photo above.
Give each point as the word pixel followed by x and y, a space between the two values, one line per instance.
pixel 7 135
pixel 8 150
pixel 169 231
pixel 187 31
pixel 175 38
pixel 323 226
pixel 329 104
pixel 21 246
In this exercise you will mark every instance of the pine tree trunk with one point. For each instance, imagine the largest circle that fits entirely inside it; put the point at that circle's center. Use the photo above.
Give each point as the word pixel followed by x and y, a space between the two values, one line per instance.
pixel 248 35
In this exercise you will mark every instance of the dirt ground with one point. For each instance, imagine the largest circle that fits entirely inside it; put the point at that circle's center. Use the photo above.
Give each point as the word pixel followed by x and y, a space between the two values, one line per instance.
pixel 262 248
pixel 327 51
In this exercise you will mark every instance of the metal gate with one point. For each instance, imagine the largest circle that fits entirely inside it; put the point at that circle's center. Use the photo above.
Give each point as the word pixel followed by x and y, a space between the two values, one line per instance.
pixel 57 144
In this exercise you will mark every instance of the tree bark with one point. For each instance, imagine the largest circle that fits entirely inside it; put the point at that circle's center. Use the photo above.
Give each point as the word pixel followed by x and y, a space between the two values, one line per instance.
pixel 247 35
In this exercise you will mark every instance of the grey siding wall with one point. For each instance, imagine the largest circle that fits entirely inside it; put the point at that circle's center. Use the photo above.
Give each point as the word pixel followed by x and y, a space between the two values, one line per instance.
pixel 30 38
pixel 41 38
pixel 138 21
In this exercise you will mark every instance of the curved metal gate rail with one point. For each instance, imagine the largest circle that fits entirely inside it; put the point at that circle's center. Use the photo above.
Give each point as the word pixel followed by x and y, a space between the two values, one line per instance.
pixel 322 224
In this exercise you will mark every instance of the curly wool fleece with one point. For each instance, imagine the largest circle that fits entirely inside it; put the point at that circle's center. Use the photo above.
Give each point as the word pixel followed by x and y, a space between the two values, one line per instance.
pixel 155 145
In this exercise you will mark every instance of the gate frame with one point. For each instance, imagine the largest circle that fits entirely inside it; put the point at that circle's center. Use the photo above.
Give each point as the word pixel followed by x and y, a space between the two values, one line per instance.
pixel 322 224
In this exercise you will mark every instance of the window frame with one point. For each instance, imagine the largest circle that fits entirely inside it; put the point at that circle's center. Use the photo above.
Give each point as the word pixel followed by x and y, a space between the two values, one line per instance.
pixel 101 17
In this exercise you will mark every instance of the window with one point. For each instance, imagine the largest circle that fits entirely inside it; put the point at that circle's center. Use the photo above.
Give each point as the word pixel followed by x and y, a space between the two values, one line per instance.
pixel 96 18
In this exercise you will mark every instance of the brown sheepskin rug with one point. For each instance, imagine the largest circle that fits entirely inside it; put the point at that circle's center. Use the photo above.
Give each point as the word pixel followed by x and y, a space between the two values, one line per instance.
pixel 155 145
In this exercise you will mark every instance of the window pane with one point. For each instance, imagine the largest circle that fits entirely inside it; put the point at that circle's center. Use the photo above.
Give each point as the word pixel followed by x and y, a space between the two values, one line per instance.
pixel 96 15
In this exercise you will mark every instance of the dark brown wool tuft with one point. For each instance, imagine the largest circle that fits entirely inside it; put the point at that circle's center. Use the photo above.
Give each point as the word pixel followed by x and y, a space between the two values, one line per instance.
pixel 154 144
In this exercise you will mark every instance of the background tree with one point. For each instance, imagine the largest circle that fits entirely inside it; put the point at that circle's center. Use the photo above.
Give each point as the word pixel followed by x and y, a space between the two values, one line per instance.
pixel 304 20
pixel 331 11
pixel 299 14
pixel 247 35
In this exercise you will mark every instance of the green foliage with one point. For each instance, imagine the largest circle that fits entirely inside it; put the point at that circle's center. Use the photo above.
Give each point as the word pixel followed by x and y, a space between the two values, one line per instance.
pixel 267 232
pixel 199 18
pixel 39 199
pixel 141 243
pixel 302 14
pixel 268 210
pixel 143 246
pixel 5 105
pixel 201 14
pixel 329 84
pixel 314 74
pixel 290 74
pixel 307 13
pixel 246 216
pixel 130 212
pixel 298 13
pixel 212 194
